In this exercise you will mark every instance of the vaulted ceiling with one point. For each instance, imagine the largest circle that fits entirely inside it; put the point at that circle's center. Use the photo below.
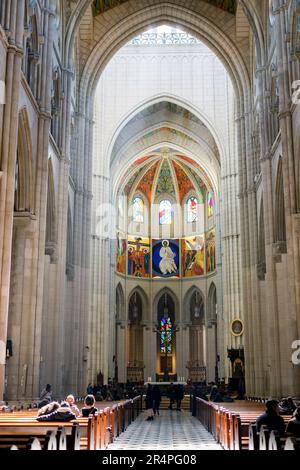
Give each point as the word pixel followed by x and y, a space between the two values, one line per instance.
pixel 100 6
pixel 164 171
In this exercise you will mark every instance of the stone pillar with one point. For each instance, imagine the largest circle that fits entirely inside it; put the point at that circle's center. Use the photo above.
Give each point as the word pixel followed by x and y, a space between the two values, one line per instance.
pixel 122 352
pixel 182 351
pixel 15 25
pixel 150 352
pixel 289 372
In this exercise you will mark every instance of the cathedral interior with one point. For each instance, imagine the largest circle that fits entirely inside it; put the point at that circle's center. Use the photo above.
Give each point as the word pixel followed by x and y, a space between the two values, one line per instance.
pixel 149 194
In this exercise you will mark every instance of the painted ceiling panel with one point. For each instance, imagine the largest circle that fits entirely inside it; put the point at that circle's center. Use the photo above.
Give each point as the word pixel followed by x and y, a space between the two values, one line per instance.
pixel 165 172
pixel 184 183
pixel 146 183
pixel 165 182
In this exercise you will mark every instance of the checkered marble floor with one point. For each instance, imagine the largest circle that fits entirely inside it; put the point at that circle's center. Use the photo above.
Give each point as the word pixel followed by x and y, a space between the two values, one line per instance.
pixel 171 430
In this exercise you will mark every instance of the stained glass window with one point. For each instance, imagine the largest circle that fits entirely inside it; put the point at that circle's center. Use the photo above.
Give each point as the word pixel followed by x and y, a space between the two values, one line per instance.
pixel 192 210
pixel 210 205
pixel 165 213
pixel 165 334
pixel 138 210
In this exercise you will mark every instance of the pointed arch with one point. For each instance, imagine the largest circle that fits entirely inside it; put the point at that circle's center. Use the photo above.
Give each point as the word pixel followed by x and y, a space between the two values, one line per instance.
pixel 51 229
pixel 280 222
pixel 24 184
pixel 70 245
pixel 261 267
pixel 120 303
pixel 188 301
pixel 158 296
pixel 212 303
pixel 144 301
pixel 135 308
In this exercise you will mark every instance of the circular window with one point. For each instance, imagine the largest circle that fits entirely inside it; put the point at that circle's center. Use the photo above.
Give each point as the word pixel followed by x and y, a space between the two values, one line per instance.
pixel 237 328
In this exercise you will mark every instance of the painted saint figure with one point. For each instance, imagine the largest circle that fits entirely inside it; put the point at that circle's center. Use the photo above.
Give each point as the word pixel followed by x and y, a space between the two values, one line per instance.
pixel 167 264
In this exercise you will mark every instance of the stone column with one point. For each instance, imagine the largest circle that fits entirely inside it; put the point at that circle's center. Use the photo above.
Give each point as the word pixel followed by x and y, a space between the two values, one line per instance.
pixel 122 352
pixel 289 373
pixel 15 25
pixel 150 352
pixel 182 350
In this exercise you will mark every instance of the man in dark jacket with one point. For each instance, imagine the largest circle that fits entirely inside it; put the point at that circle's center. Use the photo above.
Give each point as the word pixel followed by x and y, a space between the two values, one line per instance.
pixel 63 413
pixel 271 418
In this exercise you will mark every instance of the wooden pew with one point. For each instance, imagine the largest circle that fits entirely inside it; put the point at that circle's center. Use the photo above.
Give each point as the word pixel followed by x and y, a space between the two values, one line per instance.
pixel 292 444
pixel 67 435
pixel 94 432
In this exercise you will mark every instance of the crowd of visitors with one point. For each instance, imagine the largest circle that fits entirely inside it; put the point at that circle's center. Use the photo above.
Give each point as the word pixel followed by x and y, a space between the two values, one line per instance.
pixel 67 410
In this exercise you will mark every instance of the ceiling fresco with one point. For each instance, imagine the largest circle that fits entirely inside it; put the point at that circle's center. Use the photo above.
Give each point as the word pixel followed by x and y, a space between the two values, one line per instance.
pixel 146 183
pixel 184 182
pixel 165 172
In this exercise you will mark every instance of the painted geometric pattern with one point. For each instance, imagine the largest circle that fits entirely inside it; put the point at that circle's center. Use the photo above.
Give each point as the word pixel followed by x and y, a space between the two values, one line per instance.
pixel 146 183
pixel 165 181
pixel 201 186
pixel 184 183
pixel 132 180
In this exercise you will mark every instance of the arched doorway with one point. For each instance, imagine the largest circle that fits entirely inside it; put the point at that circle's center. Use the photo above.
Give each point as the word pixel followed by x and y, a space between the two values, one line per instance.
pixel 166 340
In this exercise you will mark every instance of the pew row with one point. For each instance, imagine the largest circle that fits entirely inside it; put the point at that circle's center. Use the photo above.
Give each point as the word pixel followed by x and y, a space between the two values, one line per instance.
pixel 93 433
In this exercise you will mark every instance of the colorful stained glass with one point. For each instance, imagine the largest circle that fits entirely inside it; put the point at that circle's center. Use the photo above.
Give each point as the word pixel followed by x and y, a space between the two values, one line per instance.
pixel 210 205
pixel 192 210
pixel 165 212
pixel 138 210
pixel 166 335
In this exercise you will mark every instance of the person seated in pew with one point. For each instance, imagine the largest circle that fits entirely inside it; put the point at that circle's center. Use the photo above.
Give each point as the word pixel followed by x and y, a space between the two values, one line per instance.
pixel 287 406
pixel 63 413
pixel 271 418
pixel 74 408
pixel 46 396
pixel 47 409
pixel 293 426
pixel 89 406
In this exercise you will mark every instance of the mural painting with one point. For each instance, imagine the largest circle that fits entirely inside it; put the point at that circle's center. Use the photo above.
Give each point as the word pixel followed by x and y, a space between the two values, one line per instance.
pixel 138 257
pixel 192 253
pixel 165 258
pixel 121 254
pixel 210 251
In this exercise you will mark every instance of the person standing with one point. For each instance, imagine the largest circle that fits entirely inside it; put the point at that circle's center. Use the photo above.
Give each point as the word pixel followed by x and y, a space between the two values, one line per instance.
pixel 149 403
pixel 156 400
pixel 179 396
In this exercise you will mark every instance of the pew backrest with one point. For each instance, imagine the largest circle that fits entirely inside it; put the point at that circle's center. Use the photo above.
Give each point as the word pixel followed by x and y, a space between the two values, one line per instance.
pixel 274 441
pixel 263 438
pixel 291 444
